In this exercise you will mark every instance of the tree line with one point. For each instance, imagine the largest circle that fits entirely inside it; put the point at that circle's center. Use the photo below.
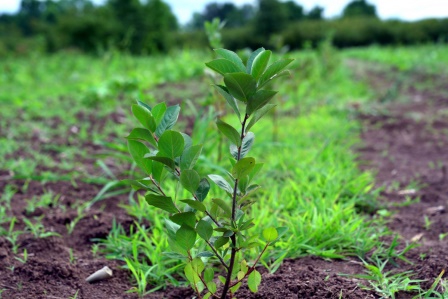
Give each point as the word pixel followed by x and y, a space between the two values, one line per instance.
pixel 145 27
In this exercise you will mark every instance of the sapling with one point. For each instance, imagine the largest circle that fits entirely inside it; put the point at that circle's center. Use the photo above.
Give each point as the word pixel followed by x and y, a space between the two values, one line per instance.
pixel 204 229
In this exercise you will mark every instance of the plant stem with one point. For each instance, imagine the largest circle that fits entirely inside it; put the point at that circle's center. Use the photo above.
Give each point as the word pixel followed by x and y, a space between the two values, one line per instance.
pixel 233 237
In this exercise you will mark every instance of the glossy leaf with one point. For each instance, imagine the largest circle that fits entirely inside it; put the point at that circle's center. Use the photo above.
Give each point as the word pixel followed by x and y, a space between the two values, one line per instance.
pixel 253 281
pixel 157 170
pixel 168 120
pixel 243 167
pixel 240 85
pixel 259 114
pixel 138 151
pixel 161 202
pixel 190 156
pixel 163 160
pixel 229 99
pixel 221 241
pixel 223 66
pixel 144 105
pixel 273 70
pixel 259 100
pixel 202 191
pixel 221 182
pixel 233 57
pixel 187 218
pixel 223 205
pixel 197 205
pixel 248 141
pixel 186 237
pixel 142 134
pixel 270 234
pixel 158 112
pixel 204 229
pixel 144 116
pixel 251 59
pixel 189 179
pixel 229 131
pixel 260 64
pixel 171 144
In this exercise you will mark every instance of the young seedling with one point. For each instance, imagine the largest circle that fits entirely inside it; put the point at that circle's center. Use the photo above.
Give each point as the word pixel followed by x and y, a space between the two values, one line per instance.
pixel 196 223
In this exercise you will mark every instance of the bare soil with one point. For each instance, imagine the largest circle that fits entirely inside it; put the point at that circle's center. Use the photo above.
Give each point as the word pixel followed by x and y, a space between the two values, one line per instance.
pixel 404 143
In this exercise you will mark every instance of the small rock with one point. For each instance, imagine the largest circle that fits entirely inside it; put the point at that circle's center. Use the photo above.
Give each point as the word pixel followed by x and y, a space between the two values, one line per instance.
pixel 435 210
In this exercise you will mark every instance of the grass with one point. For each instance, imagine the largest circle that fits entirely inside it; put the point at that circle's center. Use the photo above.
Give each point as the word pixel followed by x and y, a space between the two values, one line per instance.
pixel 311 181
pixel 429 58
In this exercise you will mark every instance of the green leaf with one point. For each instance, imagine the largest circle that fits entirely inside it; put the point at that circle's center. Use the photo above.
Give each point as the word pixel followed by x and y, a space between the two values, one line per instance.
pixel 140 103
pixel 144 116
pixel 260 64
pixel 187 218
pixel 164 160
pixel 221 182
pixel 168 120
pixel 229 131
pixel 158 111
pixel 138 151
pixel 209 274
pixel 221 241
pixel 223 205
pixel 202 191
pixel 205 254
pixel 259 114
pixel 142 134
pixel 241 85
pixel 228 97
pixel 251 59
pixel 204 229
pixel 142 184
pixel 243 167
pixel 189 179
pixel 235 287
pixel 197 205
pixel 248 141
pixel 223 66
pixel 187 140
pixel 185 237
pixel 253 281
pixel 233 57
pixel 273 70
pixel 171 144
pixel 270 234
pixel 259 100
pixel 211 286
pixel 190 156
pixel 157 170
pixel 161 202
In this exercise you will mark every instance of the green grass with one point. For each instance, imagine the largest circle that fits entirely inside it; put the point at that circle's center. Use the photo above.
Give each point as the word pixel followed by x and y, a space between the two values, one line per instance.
pixel 429 58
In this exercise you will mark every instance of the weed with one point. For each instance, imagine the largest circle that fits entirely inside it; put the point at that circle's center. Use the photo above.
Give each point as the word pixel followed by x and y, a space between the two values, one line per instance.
pixel 24 257
pixel 37 228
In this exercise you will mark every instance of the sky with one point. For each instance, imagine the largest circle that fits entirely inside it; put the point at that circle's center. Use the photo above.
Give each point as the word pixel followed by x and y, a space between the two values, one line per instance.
pixel 409 10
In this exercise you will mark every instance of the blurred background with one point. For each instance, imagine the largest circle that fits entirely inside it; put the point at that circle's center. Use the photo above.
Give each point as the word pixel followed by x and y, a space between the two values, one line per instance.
pixel 155 26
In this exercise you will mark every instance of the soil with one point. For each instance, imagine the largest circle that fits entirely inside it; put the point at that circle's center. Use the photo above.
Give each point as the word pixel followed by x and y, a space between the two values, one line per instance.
pixel 405 145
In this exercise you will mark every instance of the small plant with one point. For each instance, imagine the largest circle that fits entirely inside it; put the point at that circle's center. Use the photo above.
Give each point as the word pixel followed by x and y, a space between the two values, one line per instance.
pixel 37 229
pixel 220 224
pixel 24 257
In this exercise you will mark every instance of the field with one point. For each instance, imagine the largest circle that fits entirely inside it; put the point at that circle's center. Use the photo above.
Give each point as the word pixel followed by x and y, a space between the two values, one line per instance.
pixel 354 165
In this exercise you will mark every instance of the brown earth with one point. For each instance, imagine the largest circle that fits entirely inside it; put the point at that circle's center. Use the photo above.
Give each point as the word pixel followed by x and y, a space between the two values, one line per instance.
pixel 406 144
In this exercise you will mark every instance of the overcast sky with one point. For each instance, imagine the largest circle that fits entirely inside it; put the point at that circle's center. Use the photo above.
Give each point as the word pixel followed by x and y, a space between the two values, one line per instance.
pixel 402 9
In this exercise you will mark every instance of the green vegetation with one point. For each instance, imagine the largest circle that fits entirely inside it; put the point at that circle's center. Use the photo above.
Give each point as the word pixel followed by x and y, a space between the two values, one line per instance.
pixel 311 182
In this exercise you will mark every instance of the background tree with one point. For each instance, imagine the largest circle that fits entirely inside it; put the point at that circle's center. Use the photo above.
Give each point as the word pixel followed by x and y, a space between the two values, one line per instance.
pixel 359 8
pixel 316 13
pixel 271 17
pixel 294 11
